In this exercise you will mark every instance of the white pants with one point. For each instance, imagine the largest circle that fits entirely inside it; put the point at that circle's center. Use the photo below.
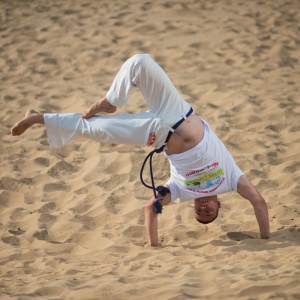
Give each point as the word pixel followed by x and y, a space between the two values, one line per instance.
pixel 149 128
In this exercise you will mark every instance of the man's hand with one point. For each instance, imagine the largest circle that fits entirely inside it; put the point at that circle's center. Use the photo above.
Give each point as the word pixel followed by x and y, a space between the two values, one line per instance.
pixel 147 245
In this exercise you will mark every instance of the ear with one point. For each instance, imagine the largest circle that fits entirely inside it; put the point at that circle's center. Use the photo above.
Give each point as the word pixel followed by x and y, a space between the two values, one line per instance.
pixel 219 203
pixel 166 198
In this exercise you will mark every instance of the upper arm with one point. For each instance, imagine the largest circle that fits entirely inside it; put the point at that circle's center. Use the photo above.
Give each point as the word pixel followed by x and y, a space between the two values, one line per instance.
pixel 248 191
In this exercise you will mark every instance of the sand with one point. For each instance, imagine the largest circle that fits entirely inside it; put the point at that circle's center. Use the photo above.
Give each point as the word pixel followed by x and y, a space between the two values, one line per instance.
pixel 71 220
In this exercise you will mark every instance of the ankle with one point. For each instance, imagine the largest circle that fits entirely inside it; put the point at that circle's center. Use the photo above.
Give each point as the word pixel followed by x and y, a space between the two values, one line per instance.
pixel 40 119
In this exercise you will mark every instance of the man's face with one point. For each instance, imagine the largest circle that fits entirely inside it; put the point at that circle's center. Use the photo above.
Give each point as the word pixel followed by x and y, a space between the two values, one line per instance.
pixel 206 208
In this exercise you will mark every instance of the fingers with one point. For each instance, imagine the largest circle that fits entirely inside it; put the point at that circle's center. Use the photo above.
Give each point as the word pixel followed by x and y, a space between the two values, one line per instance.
pixel 149 245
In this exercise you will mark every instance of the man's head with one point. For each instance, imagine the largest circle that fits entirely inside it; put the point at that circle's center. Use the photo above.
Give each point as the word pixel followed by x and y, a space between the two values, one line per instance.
pixel 206 209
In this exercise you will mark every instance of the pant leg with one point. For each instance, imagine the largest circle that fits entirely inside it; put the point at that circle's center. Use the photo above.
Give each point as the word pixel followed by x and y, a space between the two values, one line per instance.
pixel 130 129
pixel 142 72
pixel 166 108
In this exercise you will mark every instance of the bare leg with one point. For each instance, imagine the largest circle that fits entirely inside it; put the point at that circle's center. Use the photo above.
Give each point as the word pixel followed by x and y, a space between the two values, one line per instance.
pixel 31 117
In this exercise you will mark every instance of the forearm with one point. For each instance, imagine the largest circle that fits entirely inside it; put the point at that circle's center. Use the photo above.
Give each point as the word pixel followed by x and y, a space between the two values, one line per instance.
pixel 151 223
pixel 262 216
pixel 246 189
pixel 151 219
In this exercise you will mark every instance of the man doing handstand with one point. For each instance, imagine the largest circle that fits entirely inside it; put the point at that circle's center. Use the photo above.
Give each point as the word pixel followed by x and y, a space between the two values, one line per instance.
pixel 200 165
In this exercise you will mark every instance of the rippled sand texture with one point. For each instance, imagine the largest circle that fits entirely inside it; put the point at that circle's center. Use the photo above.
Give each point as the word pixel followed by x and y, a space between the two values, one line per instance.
pixel 71 220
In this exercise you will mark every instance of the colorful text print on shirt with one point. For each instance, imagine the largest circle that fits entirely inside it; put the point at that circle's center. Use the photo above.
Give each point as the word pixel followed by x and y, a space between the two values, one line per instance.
pixel 206 180
pixel 151 139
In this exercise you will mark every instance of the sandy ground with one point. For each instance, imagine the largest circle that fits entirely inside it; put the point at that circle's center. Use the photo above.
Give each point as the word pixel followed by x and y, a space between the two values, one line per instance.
pixel 71 220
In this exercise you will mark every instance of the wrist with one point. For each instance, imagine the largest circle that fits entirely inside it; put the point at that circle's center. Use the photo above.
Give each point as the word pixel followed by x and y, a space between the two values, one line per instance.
pixel 265 236
pixel 152 244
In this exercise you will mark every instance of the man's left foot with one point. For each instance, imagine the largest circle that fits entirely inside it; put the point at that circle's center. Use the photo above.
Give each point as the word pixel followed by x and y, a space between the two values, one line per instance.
pixel 31 117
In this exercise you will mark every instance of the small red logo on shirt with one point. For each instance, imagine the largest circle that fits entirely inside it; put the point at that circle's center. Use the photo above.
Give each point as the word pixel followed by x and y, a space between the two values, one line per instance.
pixel 151 139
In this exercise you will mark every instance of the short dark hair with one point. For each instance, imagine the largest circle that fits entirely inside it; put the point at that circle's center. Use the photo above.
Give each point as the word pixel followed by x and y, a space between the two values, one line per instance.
pixel 207 222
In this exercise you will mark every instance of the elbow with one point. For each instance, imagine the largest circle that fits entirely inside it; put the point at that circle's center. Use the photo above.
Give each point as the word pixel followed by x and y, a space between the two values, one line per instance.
pixel 258 201
pixel 262 203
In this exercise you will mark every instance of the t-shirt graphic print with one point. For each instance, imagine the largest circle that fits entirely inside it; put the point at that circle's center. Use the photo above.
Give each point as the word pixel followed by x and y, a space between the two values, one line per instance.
pixel 205 180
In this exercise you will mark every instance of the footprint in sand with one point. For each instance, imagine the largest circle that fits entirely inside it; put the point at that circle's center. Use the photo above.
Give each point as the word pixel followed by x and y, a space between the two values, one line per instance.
pixel 7 183
pixel 56 186
pixel 19 231
pixel 60 169
pixel 114 182
pixel 42 161
pixel 239 236
pixel 41 235
pixel 46 208
pixel 114 203
pixel 134 231
pixel 11 240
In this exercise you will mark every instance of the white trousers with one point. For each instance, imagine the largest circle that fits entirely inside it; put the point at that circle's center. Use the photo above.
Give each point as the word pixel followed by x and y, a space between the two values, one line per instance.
pixel 150 128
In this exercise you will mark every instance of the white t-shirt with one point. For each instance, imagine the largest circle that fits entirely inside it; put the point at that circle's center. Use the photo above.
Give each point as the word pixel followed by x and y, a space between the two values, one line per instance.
pixel 207 169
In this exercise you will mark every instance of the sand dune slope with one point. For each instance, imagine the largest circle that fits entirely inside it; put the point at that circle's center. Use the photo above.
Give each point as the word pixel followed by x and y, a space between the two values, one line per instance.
pixel 71 220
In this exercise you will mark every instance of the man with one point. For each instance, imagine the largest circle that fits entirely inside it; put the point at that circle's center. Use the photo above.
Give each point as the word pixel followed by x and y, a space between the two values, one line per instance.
pixel 201 167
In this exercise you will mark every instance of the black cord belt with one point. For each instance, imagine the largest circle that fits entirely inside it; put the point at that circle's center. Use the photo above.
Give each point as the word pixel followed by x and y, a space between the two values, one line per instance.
pixel 161 189
pixel 178 123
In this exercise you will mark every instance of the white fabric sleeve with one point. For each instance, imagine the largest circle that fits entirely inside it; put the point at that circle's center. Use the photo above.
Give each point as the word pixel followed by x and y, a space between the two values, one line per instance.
pixel 173 189
pixel 236 174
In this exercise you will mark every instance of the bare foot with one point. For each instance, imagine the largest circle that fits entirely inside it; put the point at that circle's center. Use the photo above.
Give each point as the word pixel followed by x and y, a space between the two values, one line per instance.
pixel 99 106
pixel 31 117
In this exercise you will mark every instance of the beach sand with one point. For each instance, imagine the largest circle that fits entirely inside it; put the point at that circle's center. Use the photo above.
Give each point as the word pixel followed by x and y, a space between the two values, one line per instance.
pixel 71 220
